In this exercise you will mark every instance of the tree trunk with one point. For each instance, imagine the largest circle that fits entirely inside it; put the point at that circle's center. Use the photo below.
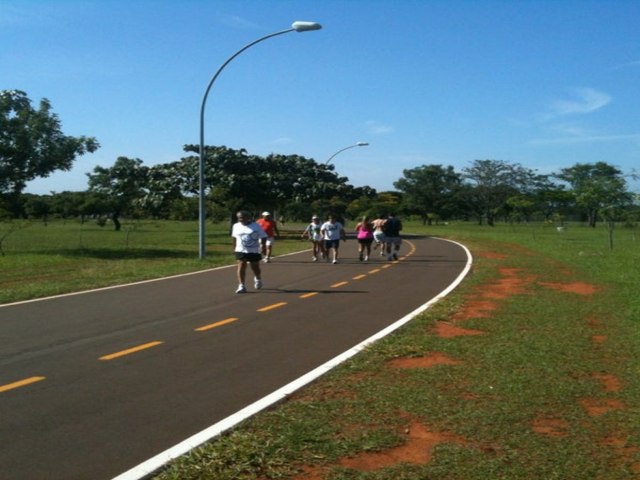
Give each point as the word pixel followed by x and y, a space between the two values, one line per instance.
pixel 115 218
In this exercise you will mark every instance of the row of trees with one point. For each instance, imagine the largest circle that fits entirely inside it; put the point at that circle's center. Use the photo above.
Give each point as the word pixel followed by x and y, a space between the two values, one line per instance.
pixel 491 189
pixel 32 145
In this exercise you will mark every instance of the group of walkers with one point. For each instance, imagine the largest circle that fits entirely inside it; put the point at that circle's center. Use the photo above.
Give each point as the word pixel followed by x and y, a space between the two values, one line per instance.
pixel 253 240
pixel 383 232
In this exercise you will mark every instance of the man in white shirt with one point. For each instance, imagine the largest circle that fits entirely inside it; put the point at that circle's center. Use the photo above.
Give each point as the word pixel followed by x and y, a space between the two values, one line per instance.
pixel 247 235
pixel 332 231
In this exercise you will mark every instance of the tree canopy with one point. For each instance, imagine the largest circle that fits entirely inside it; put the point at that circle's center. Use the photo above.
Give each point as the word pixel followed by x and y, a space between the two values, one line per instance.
pixel 32 144
pixel 596 186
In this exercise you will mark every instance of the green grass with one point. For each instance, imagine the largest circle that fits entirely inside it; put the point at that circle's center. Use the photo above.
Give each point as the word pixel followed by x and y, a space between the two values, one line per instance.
pixel 537 359
pixel 61 257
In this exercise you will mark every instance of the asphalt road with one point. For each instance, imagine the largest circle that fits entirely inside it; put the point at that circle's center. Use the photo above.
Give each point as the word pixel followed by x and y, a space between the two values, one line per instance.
pixel 95 383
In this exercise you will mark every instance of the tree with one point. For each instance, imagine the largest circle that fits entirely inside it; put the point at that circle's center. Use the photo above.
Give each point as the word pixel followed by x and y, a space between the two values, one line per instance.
pixel 234 179
pixel 495 181
pixel 428 190
pixel 120 186
pixel 596 186
pixel 38 206
pixel 32 144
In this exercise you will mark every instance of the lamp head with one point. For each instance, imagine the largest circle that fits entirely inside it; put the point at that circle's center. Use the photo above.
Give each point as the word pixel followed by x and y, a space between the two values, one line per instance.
pixel 362 144
pixel 305 26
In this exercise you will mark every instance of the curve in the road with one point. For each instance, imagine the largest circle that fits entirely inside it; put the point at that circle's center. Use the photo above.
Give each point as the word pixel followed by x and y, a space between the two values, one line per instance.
pixel 153 464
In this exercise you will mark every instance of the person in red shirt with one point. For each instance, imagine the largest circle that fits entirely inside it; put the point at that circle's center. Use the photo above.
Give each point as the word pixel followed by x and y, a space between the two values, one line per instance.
pixel 271 229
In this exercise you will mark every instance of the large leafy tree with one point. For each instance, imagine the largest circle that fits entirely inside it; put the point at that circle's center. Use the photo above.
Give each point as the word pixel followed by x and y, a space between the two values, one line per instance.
pixel 596 186
pixel 234 179
pixel 493 182
pixel 121 186
pixel 428 191
pixel 32 144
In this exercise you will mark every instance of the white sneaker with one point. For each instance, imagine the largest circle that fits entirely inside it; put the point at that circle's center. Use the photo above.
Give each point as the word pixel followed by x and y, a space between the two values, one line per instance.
pixel 335 261
pixel 314 259
pixel 257 283
pixel 241 289
pixel 366 258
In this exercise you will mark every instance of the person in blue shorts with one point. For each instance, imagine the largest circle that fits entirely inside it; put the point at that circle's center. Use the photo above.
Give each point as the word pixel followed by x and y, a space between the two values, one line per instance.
pixel 391 229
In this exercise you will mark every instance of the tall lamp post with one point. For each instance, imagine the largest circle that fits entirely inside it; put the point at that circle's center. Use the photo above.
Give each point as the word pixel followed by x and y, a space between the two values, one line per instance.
pixel 295 27
pixel 359 144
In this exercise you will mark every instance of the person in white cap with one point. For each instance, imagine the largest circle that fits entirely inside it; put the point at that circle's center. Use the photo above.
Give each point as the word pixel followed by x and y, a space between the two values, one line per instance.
pixel 312 232
pixel 271 229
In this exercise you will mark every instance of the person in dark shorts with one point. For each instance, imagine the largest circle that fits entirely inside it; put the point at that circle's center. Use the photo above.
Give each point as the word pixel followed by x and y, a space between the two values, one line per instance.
pixel 332 231
pixel 364 234
pixel 391 229
pixel 247 236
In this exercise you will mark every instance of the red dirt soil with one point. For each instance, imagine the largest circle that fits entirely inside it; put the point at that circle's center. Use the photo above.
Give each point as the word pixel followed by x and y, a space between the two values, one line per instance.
pixel 435 358
pixel 421 441
pixel 578 288
pixel 448 330
pixel 418 450
pixel 550 427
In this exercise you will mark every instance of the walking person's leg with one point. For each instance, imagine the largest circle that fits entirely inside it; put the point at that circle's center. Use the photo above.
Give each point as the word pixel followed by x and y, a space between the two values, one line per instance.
pixel 269 249
pixel 241 273
pixel 257 274
pixel 398 242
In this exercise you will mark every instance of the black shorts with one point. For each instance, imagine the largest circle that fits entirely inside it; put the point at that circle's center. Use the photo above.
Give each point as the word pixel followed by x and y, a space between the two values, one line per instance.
pixel 248 257
pixel 365 241
pixel 329 244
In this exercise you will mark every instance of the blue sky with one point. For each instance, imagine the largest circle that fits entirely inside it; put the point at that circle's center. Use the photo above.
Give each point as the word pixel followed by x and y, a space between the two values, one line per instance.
pixel 545 84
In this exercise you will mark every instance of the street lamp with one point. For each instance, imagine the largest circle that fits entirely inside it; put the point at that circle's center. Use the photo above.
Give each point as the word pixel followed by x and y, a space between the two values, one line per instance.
pixel 295 27
pixel 359 144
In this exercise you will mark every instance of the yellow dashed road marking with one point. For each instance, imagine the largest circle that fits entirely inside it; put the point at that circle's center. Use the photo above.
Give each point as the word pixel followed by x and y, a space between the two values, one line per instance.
pixel 375 270
pixel 20 383
pixel 339 284
pixel 359 277
pixel 271 307
pixel 217 324
pixel 307 295
pixel 129 351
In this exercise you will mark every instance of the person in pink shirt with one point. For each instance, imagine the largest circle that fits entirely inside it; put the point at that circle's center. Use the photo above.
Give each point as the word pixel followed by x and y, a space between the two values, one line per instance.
pixel 364 234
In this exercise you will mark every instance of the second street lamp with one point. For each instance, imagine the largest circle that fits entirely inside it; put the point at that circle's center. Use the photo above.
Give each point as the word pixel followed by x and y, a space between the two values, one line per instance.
pixel 359 144
pixel 295 27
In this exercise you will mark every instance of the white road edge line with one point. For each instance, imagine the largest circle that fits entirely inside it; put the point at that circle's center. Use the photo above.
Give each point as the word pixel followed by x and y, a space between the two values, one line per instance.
pixel 152 465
